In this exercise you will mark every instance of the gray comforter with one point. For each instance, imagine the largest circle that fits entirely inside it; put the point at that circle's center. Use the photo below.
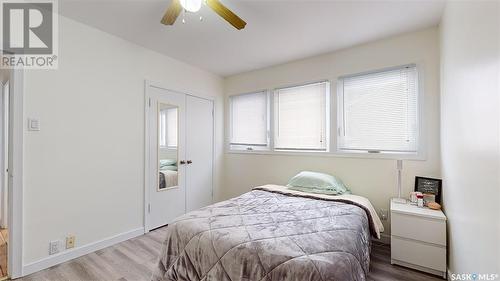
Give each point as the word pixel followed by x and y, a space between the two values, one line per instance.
pixel 268 236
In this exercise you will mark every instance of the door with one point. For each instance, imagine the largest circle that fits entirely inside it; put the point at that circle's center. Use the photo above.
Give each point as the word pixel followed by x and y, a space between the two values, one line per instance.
pixel 167 187
pixel 199 152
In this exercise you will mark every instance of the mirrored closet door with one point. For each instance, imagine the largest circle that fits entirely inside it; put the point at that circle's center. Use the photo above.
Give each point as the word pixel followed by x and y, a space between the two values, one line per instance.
pixel 180 150
pixel 167 194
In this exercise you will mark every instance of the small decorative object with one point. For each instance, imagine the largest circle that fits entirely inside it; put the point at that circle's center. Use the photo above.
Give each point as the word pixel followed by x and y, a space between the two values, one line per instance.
pixel 420 200
pixel 429 186
pixel 413 197
pixel 428 198
pixel 434 206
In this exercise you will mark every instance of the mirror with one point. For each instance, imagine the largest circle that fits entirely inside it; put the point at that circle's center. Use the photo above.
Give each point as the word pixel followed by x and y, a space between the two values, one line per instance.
pixel 167 146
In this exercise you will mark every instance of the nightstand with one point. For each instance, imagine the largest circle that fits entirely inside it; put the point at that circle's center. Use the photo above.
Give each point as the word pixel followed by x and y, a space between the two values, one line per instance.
pixel 418 238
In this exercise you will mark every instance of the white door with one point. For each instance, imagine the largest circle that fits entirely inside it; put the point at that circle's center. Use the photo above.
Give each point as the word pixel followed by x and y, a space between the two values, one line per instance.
pixel 167 186
pixel 199 152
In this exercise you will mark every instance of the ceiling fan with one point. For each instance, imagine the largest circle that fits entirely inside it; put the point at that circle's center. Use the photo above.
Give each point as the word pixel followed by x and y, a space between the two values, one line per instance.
pixel 193 6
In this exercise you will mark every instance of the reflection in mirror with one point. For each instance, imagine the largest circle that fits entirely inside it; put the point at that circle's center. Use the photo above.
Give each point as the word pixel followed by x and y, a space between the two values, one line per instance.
pixel 167 145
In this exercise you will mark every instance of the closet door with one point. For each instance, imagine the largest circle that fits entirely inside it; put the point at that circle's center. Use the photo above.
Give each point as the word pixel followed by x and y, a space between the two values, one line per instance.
pixel 199 152
pixel 167 169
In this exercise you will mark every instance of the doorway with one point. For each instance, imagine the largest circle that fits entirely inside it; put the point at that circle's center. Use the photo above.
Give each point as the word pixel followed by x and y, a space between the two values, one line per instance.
pixel 5 77
pixel 11 171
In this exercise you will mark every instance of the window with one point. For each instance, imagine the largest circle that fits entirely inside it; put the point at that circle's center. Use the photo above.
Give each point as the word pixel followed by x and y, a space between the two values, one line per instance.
pixel 168 128
pixel 249 121
pixel 378 111
pixel 301 117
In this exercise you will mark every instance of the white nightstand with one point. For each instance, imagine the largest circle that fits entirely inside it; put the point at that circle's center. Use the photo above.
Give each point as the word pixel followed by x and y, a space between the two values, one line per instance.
pixel 418 238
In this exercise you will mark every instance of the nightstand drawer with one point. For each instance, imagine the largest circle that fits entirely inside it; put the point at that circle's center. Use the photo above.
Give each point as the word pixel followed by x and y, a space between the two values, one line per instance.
pixel 419 228
pixel 422 254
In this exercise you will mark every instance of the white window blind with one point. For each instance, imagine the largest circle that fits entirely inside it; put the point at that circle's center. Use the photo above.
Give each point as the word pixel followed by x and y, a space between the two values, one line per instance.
pixel 378 111
pixel 300 117
pixel 163 128
pixel 249 123
pixel 172 127
pixel 168 127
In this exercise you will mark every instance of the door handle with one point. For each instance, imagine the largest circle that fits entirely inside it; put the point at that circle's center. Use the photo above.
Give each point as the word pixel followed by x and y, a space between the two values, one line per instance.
pixel 189 161
pixel 182 162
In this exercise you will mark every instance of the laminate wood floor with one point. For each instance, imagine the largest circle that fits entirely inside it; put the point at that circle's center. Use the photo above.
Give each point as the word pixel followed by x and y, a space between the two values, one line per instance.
pixel 135 259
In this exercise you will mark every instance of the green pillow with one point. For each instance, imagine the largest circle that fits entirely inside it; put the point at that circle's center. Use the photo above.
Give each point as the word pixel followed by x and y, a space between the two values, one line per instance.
pixel 318 183
pixel 171 168
pixel 167 162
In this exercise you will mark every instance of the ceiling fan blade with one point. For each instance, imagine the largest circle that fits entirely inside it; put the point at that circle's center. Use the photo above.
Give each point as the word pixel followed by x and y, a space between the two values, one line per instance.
pixel 224 12
pixel 172 13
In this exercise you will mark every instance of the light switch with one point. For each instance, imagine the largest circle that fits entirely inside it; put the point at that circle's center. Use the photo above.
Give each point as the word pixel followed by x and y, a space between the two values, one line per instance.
pixel 33 125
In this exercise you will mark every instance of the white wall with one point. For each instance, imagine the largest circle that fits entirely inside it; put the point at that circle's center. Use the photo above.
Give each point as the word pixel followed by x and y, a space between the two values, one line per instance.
pixel 373 178
pixel 470 140
pixel 84 171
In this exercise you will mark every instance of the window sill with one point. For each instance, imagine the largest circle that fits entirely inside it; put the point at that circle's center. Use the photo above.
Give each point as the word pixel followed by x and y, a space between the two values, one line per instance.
pixel 337 154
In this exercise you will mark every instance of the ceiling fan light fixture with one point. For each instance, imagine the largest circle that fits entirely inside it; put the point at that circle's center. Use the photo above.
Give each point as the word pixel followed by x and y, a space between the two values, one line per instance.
pixel 177 6
pixel 191 5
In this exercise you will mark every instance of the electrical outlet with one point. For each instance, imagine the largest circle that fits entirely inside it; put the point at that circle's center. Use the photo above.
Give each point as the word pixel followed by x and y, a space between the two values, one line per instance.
pixel 383 214
pixel 70 241
pixel 54 247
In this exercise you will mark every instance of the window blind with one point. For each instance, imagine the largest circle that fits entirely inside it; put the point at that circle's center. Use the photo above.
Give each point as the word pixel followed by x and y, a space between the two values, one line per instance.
pixel 168 127
pixel 163 128
pixel 172 127
pixel 300 117
pixel 249 119
pixel 379 111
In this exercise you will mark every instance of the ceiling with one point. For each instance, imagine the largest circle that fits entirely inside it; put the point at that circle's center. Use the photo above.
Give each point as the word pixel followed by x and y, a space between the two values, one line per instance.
pixel 277 31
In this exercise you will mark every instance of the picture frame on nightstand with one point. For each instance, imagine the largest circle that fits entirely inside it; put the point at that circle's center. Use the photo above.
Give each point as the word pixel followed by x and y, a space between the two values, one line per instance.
pixel 429 186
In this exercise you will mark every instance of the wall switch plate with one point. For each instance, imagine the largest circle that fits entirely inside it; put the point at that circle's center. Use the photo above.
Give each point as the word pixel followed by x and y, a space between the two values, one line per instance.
pixel 383 214
pixel 53 247
pixel 33 124
pixel 70 241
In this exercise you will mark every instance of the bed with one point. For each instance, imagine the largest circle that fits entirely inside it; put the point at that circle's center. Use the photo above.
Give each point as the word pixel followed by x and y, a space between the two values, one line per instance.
pixel 168 178
pixel 272 233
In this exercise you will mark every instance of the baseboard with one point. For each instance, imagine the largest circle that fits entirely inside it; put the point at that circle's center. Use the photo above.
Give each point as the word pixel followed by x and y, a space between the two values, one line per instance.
pixel 79 251
pixel 384 239
pixel 420 268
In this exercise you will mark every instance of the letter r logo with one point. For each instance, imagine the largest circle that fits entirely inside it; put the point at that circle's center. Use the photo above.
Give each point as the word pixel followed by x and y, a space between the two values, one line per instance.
pixel 27 28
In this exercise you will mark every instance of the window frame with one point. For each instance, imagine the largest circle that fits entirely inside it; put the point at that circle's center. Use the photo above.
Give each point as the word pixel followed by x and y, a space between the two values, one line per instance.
pixel 247 146
pixel 418 155
pixel 333 119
